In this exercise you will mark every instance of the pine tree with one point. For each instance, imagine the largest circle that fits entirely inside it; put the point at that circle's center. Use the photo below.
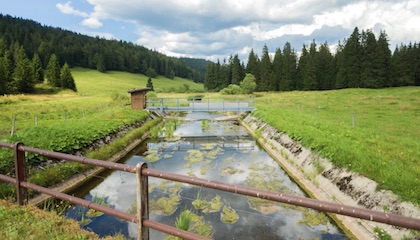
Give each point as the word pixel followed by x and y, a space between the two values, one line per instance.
pixel 310 80
pixel 53 72
pixel 352 64
pixel 265 70
pixel 340 69
pixel 210 78
pixel 368 75
pixel 237 72
pixel 4 69
pixel 301 69
pixel 253 66
pixel 100 63
pixel 37 70
pixel 277 70
pixel 150 84
pixel 383 61
pixel 23 80
pixel 325 68
pixel 66 79
pixel 288 68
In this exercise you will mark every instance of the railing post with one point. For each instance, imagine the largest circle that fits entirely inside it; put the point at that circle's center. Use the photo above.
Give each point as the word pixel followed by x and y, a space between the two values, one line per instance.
pixel 142 202
pixel 20 172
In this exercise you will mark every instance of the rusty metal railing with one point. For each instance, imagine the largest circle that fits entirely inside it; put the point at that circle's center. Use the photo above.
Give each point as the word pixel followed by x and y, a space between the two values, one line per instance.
pixel 143 172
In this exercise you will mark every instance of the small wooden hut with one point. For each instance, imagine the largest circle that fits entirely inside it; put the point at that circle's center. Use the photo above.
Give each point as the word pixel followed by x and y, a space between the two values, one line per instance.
pixel 138 98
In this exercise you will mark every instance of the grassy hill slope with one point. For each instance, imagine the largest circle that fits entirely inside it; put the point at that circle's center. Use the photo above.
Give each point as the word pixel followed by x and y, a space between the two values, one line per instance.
pixel 383 144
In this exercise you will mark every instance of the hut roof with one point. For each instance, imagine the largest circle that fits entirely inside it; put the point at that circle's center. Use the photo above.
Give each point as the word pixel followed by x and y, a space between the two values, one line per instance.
pixel 139 90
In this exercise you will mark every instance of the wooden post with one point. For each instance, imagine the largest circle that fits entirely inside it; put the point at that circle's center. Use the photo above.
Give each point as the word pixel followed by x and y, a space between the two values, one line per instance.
pixel 20 172
pixel 13 125
pixel 36 121
pixel 352 119
pixel 142 202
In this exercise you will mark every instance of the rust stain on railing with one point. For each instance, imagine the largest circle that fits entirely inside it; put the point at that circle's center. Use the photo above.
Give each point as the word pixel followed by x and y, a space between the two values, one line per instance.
pixel 142 217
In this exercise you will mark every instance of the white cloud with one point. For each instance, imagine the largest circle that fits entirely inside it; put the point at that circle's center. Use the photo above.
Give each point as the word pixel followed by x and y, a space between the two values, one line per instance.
pixel 68 9
pixel 216 29
pixel 92 23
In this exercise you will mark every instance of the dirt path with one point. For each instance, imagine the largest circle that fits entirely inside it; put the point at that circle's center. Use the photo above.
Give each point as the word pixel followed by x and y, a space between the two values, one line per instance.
pixel 321 180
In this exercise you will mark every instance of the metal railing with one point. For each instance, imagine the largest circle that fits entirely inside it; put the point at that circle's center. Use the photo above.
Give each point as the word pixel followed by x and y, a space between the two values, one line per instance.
pixel 206 105
pixel 143 172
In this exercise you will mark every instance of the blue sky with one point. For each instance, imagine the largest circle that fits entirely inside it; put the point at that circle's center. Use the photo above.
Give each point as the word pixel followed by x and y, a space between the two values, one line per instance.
pixel 214 30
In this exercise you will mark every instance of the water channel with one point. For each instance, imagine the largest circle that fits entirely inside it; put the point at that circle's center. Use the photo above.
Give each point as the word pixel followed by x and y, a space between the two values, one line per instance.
pixel 215 150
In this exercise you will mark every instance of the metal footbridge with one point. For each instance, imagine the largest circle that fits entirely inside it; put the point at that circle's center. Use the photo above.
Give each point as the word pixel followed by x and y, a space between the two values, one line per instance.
pixel 199 105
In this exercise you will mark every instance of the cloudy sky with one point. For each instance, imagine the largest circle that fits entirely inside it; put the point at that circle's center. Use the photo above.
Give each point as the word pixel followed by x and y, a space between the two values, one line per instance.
pixel 215 29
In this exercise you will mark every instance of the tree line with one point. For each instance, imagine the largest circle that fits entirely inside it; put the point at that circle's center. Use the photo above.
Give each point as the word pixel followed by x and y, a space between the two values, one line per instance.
pixel 90 52
pixel 361 61
pixel 19 74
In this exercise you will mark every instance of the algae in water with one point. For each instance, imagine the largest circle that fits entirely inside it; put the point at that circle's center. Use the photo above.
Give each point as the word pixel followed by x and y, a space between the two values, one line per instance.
pixel 229 215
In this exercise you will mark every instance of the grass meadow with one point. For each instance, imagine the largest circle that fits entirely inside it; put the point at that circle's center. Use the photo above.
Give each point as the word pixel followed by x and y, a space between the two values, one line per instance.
pixel 374 132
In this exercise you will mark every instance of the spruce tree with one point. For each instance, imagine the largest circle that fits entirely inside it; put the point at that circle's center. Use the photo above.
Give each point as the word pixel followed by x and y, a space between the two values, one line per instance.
pixel 340 69
pixel 4 69
pixel 310 80
pixel 150 84
pixel 66 79
pixel 264 83
pixel 325 68
pixel 368 75
pixel 210 78
pixel 383 61
pixel 301 69
pixel 352 63
pixel 53 72
pixel 288 68
pixel 237 72
pixel 37 70
pixel 23 80
pixel 277 70
pixel 253 66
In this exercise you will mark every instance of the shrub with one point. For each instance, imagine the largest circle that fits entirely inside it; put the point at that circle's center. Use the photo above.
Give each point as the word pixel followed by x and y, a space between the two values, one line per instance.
pixel 231 90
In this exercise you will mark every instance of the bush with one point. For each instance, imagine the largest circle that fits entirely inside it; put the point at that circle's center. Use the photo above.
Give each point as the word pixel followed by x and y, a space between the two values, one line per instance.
pixel 248 85
pixel 231 90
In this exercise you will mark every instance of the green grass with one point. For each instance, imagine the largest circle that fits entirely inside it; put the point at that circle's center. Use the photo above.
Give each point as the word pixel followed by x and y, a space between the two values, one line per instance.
pixel 384 143
pixel 30 222
pixel 97 92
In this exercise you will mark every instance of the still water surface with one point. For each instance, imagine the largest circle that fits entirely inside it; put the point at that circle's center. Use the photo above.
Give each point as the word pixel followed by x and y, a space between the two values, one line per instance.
pixel 221 151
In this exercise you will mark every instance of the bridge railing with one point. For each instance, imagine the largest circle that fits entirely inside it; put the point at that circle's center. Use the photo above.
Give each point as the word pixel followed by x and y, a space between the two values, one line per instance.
pixel 208 104
pixel 143 173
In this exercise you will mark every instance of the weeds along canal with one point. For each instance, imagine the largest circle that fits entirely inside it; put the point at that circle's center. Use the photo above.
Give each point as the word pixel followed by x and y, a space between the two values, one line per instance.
pixel 215 150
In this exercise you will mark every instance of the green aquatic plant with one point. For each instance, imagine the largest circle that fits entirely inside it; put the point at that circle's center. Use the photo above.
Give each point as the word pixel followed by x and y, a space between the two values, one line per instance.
pixel 98 200
pixel 205 124
pixel 194 155
pixel 229 170
pixel 196 225
pixel 153 156
pixel 214 205
pixel 183 222
pixel 167 204
pixel 199 203
pixel 229 215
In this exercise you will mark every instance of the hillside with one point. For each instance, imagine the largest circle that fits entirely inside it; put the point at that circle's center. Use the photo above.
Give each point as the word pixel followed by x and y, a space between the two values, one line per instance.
pixel 83 51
